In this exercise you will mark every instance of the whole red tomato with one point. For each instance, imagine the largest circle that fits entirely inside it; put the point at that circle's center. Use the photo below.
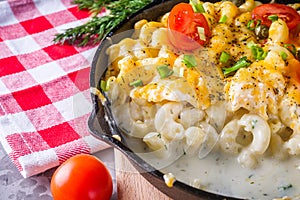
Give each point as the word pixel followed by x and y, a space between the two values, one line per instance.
pixel 184 25
pixel 81 177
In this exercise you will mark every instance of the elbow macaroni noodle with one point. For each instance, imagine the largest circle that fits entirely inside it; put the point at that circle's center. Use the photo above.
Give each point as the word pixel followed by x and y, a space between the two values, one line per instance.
pixel 255 110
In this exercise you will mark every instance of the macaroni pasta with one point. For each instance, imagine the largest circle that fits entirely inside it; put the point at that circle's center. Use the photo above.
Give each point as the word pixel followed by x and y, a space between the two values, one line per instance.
pixel 247 113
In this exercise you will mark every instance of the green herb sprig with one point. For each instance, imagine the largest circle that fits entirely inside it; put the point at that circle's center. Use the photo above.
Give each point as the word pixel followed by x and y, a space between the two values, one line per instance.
pixel 94 30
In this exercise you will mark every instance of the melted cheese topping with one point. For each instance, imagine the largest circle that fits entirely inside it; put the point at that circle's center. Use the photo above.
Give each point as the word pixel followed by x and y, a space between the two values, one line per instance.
pixel 248 120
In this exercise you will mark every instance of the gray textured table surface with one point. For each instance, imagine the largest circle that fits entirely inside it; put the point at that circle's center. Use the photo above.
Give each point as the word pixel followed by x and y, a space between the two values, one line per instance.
pixel 14 187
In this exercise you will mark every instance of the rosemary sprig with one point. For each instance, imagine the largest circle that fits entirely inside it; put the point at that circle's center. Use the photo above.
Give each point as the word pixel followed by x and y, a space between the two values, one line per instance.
pixel 91 5
pixel 95 30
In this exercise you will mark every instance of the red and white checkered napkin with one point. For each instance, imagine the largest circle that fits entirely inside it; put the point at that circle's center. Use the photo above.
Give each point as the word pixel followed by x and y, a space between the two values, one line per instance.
pixel 44 87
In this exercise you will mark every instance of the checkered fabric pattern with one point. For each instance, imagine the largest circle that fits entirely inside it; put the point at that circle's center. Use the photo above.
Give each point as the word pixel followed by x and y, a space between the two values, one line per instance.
pixel 44 87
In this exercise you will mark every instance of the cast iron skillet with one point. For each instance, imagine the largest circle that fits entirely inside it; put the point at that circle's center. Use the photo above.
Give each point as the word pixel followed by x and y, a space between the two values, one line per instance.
pixel 102 125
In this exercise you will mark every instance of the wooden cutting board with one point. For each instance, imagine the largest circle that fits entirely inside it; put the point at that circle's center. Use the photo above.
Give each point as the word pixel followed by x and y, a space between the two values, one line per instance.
pixel 131 185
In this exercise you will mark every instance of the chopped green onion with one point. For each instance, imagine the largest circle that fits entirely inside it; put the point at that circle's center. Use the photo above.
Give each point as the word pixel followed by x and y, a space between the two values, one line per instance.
pixel 189 61
pixel 273 18
pixel 239 64
pixel 258 22
pixel 104 85
pixel 251 25
pixel 136 83
pixel 291 48
pixel 197 7
pixel 223 19
pixel 178 71
pixel 224 57
pixel 283 55
pixel 164 71
pixel 200 8
pixel 257 52
pixel 201 33
pixel 181 72
pixel 250 44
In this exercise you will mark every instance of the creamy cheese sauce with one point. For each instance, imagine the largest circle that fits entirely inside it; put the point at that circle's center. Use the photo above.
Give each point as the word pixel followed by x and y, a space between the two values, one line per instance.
pixel 219 173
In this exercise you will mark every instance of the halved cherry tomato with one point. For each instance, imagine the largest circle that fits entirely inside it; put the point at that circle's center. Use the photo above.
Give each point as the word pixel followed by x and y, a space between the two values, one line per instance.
pixel 184 25
pixel 81 177
pixel 284 12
